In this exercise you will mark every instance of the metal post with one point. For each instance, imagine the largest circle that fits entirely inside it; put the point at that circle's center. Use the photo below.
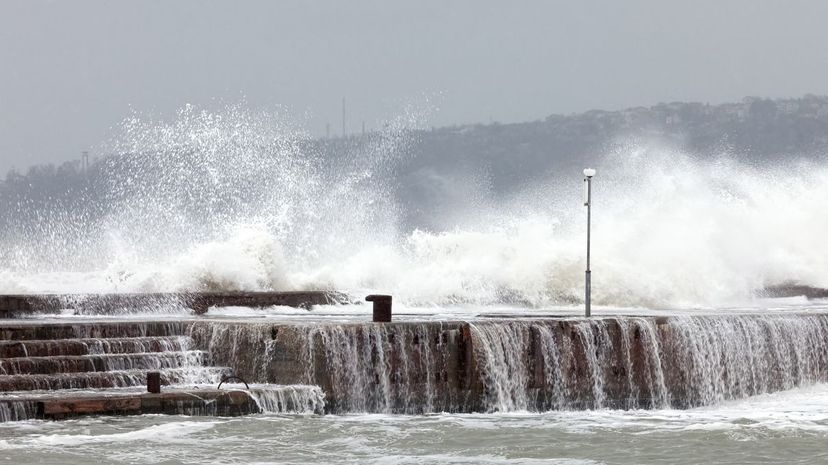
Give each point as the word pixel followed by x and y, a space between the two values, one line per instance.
pixel 588 174
pixel 382 307
pixel 154 382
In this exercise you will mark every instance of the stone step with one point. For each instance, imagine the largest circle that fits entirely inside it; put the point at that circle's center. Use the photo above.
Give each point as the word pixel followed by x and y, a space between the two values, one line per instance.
pixel 205 401
pixel 122 345
pixel 111 379
pixel 102 362
pixel 33 331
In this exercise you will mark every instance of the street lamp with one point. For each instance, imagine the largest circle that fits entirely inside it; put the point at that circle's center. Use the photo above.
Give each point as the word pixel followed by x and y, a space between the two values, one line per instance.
pixel 588 174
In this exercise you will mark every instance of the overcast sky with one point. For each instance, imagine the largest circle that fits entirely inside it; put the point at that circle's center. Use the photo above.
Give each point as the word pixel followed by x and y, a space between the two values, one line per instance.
pixel 69 71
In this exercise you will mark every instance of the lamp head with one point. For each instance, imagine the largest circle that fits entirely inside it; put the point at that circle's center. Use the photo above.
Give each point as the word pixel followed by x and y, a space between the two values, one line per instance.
pixel 589 172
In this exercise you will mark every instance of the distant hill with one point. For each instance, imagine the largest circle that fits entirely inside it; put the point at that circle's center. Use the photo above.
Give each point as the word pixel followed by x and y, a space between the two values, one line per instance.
pixel 505 155
pixel 755 129
pixel 509 156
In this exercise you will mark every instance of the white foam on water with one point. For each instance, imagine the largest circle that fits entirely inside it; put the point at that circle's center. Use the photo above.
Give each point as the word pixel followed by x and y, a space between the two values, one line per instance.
pixel 167 433
pixel 470 458
pixel 796 411
pixel 785 426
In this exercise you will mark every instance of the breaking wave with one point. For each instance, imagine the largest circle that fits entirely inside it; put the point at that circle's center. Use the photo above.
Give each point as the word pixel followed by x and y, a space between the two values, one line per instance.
pixel 239 200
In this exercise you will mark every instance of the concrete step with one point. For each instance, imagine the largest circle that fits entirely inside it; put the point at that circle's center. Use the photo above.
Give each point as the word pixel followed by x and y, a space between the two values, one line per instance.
pixel 33 331
pixel 111 379
pixel 87 346
pixel 190 400
pixel 68 404
pixel 102 362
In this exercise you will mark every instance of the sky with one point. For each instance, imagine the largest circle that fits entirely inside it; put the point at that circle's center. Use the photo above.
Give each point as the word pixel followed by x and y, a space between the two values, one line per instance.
pixel 71 71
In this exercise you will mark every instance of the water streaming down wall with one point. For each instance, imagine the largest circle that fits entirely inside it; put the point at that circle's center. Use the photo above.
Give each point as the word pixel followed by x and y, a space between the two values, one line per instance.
pixel 103 362
pixel 534 365
pixel 409 368
pixel 267 399
pixel 60 370
pixel 735 357
pixel 398 368
pixel 681 362
pixel 295 399
pixel 420 367
pixel 17 410
pixel 569 364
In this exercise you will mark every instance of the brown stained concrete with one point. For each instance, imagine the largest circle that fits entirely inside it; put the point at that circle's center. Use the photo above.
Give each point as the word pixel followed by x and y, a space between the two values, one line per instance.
pixel 82 346
pixel 192 402
pixel 287 353
pixel 414 360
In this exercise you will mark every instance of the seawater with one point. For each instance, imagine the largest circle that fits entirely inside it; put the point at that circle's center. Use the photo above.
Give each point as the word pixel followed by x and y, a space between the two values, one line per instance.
pixel 785 427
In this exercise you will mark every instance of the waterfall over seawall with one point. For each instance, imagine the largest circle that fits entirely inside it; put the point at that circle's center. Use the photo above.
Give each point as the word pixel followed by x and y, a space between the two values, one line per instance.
pixel 394 368
pixel 289 399
pixel 411 367
pixel 529 364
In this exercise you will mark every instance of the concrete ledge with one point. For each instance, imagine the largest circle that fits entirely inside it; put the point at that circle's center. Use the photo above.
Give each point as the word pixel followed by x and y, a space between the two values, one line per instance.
pixel 199 302
pixel 209 402
pixel 795 290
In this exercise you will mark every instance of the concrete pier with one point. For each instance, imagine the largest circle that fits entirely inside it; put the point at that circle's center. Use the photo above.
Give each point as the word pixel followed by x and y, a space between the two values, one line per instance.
pixel 534 363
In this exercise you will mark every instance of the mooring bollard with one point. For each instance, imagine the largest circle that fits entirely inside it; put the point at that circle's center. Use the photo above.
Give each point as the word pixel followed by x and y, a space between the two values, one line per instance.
pixel 154 382
pixel 382 307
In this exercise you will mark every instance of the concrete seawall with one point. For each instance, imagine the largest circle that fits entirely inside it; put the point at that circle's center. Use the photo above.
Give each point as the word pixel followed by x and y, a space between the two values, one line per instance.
pixel 530 364
pixel 482 365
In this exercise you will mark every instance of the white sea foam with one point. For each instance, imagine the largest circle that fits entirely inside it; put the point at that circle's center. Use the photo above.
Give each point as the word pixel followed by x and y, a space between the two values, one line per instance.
pixel 238 205
pixel 176 432
pixel 787 427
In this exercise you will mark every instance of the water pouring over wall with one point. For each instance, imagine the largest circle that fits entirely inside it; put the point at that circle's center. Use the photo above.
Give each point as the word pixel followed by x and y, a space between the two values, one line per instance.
pixel 532 364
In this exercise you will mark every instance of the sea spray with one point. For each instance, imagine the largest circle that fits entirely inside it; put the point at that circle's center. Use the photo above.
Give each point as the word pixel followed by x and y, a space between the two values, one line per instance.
pixel 242 200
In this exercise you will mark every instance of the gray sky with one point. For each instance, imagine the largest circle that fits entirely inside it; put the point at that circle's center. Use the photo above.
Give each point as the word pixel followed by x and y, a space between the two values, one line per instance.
pixel 69 71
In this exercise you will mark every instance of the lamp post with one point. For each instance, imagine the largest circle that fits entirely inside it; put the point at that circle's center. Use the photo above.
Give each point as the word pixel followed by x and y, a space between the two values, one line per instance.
pixel 588 174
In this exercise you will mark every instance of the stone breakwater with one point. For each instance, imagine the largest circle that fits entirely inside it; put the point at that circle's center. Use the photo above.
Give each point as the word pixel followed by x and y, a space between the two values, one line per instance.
pixel 529 364
pixel 409 367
